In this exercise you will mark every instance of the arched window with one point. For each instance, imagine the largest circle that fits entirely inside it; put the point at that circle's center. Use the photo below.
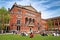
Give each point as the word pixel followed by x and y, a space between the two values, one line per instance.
pixel 26 19
pixel 33 20
pixel 30 20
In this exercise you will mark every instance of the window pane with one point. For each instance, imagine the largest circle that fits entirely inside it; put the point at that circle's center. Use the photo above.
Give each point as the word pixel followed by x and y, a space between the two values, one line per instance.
pixel 19 11
pixel 18 21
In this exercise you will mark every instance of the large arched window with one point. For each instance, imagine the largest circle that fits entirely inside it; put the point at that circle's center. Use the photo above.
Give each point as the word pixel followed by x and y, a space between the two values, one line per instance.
pixel 33 20
pixel 30 20
pixel 26 19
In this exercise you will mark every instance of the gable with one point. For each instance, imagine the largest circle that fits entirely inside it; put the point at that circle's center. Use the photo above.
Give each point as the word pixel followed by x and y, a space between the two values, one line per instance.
pixel 30 8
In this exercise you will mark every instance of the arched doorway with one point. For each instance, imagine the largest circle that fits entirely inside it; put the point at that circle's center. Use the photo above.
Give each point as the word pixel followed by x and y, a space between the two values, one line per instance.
pixel 18 28
pixel 6 29
pixel 31 29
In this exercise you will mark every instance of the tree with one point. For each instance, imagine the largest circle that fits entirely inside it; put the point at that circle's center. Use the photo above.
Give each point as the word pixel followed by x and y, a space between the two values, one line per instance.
pixel 50 24
pixel 4 16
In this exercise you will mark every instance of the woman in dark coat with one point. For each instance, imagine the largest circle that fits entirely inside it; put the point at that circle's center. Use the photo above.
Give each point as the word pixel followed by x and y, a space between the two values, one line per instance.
pixel 31 35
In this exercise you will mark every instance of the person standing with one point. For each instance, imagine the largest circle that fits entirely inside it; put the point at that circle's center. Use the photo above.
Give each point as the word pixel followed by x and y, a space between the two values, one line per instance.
pixel 31 35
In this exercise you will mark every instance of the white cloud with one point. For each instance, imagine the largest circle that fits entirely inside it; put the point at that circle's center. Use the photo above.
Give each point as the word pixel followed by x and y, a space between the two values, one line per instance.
pixel 39 7
pixel 53 4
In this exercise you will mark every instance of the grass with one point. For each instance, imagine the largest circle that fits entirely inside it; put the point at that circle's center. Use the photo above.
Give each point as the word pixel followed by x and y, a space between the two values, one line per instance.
pixel 19 37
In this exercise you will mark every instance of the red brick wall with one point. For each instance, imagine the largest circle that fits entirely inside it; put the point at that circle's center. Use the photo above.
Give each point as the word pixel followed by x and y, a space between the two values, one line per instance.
pixel 23 27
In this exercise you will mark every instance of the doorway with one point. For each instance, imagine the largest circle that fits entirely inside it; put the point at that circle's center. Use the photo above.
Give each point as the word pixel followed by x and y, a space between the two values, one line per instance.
pixel 31 29
pixel 18 28
pixel 6 29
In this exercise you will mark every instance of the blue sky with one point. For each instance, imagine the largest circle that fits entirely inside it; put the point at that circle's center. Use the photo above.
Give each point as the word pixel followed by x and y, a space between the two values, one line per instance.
pixel 48 8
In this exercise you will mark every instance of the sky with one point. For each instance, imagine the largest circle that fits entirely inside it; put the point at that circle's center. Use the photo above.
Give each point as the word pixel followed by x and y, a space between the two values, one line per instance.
pixel 48 8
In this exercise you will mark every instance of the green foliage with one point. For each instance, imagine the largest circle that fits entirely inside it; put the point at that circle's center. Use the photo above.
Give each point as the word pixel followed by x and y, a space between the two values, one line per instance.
pixel 4 16
pixel 50 23
pixel 0 26
pixel 6 19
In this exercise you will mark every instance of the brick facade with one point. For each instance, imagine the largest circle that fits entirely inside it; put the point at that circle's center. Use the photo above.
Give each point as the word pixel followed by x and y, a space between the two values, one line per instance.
pixel 27 19
pixel 53 23
pixel 24 18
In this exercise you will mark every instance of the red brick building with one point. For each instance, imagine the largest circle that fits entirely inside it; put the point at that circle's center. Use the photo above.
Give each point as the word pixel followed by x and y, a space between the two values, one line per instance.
pixel 53 23
pixel 24 18
pixel 27 19
pixel 44 25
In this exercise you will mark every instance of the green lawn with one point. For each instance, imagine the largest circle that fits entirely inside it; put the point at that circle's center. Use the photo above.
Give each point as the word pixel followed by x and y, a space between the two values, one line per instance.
pixel 19 37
